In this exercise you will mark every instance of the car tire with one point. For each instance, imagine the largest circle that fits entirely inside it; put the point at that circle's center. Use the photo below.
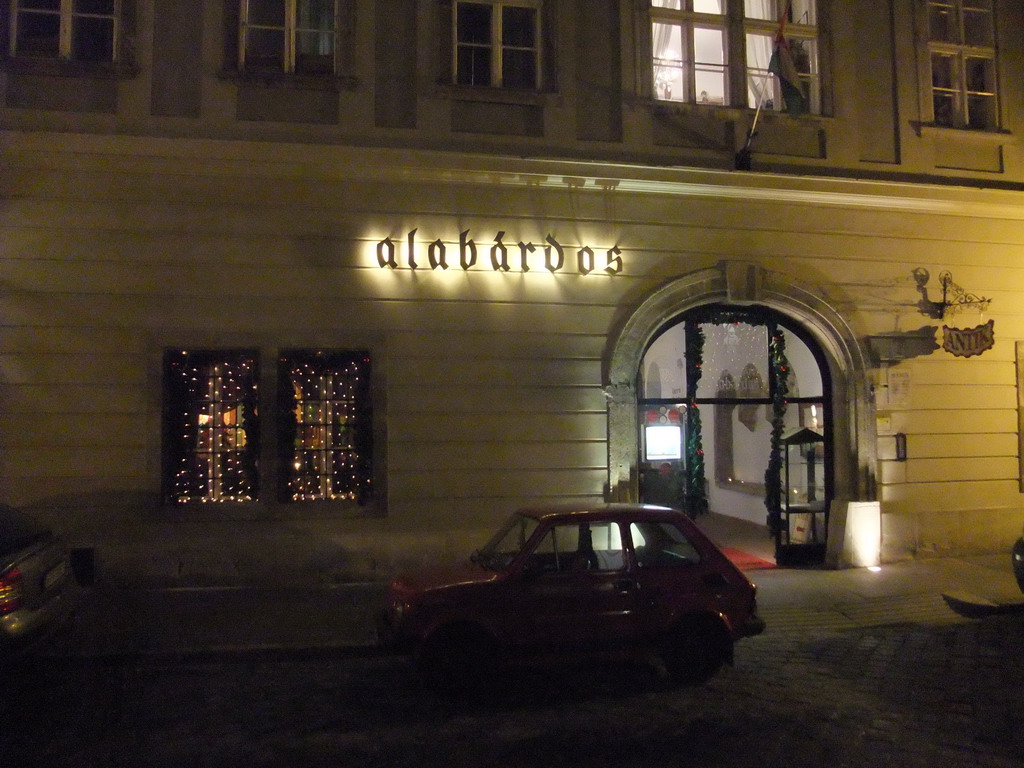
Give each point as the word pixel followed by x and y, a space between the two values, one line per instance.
pixel 457 659
pixel 695 651
pixel 1018 562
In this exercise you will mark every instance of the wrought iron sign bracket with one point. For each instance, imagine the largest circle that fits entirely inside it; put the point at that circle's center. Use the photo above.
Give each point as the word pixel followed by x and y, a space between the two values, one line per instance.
pixel 954 297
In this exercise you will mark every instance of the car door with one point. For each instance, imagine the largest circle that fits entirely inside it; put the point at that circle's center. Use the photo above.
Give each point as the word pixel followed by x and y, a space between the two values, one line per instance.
pixel 574 588
pixel 672 576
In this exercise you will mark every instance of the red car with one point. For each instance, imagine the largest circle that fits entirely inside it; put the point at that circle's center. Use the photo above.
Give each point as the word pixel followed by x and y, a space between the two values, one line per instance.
pixel 586 580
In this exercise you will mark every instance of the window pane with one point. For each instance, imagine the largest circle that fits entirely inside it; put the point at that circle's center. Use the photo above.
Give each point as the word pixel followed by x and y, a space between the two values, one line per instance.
pixel 799 11
pixel 981 111
pixel 267 13
pixel 38 34
pixel 980 75
pixel 662 545
pixel 673 4
pixel 474 23
pixel 942 22
pixel 708 6
pixel 314 52
pixel 738 351
pixel 92 39
pixel 944 108
pixel 669 83
pixel 804 378
pixel 709 74
pixel 40 5
pixel 474 66
pixel 761 9
pixel 519 44
pixel 518 27
pixel 264 48
pixel 804 12
pixel 942 71
pixel 99 7
pixel 315 14
pixel 519 69
pixel 978 28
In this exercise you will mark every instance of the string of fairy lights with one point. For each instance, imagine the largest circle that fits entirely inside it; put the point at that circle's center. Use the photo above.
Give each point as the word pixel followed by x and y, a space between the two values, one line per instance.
pixel 213 407
pixel 325 463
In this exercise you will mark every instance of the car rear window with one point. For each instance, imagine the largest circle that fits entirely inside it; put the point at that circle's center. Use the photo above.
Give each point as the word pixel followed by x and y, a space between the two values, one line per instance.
pixel 17 530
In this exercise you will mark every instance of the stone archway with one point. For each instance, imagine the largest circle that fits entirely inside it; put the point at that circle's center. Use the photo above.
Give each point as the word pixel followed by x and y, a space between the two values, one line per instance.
pixel 746 283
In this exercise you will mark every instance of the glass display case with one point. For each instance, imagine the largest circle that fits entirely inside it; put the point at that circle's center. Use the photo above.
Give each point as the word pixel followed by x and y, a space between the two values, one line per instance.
pixel 804 487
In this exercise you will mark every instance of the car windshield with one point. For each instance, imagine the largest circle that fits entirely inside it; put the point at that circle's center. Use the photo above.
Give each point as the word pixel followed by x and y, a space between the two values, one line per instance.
pixel 507 543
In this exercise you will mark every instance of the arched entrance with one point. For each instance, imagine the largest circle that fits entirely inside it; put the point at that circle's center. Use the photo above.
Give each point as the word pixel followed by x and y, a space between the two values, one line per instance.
pixel 742 307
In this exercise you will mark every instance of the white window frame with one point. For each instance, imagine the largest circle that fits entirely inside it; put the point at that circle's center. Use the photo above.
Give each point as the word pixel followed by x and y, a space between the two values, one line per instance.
pixel 497 43
pixel 290 31
pixel 959 53
pixel 687 21
pixel 759 86
pixel 65 39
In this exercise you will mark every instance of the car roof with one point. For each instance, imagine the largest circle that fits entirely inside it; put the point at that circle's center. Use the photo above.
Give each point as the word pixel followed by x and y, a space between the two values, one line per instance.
pixel 599 511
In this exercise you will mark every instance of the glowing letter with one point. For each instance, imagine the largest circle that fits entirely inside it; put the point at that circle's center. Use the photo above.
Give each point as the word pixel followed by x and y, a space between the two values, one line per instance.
pixel 499 263
pixel 525 248
pixel 386 253
pixel 614 262
pixel 585 260
pixel 412 250
pixel 436 254
pixel 553 266
pixel 467 251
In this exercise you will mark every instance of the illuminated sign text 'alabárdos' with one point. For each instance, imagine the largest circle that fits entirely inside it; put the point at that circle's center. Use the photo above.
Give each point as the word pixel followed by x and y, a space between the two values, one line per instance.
pixel 501 257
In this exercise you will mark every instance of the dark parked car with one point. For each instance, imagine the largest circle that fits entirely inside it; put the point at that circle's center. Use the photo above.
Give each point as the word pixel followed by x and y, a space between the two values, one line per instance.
pixel 1018 562
pixel 36 581
pixel 624 579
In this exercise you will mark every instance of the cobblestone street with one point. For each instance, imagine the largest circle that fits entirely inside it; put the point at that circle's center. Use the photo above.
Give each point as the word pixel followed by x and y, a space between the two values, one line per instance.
pixel 909 695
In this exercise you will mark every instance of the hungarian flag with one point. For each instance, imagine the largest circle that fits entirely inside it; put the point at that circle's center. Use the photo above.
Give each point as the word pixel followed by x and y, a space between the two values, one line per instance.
pixel 781 65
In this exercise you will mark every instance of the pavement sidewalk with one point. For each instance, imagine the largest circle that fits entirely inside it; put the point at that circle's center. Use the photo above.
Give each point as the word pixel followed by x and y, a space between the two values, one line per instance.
pixel 195 621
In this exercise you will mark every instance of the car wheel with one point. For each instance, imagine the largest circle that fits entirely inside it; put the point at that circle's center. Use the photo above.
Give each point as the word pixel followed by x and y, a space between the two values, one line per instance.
pixel 459 659
pixel 1018 562
pixel 696 650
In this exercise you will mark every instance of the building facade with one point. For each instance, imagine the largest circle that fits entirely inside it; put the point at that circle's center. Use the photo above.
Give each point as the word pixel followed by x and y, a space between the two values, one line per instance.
pixel 312 288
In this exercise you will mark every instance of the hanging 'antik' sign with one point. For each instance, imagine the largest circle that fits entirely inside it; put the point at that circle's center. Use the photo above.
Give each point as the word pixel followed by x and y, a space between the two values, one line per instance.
pixel 967 342
pixel 500 257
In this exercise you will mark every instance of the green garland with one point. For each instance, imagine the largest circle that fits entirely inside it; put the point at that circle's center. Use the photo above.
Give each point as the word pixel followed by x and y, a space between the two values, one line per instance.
pixel 695 500
pixel 778 372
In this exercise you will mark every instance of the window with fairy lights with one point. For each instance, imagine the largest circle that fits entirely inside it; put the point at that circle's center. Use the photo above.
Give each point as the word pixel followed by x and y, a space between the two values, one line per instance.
pixel 326 429
pixel 211 426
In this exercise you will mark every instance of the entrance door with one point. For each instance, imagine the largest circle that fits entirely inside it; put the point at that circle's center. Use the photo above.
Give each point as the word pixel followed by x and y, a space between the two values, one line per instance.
pixel 735 419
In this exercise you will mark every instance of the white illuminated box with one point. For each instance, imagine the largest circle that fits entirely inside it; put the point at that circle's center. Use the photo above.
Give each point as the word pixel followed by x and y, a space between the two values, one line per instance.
pixel 664 442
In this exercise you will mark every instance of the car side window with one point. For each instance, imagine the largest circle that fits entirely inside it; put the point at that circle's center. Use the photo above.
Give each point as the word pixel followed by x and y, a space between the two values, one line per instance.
pixel 662 545
pixel 574 547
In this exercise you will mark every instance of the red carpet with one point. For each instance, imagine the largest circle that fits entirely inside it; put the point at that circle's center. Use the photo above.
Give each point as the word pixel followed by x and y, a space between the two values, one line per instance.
pixel 746 562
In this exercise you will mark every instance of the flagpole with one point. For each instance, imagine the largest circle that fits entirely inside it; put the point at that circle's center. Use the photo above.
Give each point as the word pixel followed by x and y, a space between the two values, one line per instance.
pixel 742 159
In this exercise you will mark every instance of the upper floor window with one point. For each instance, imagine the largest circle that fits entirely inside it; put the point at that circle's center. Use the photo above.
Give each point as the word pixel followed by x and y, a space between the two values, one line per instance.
pixel 497 44
pixel 73 30
pixel 290 36
pixel 962 60
pixel 694 53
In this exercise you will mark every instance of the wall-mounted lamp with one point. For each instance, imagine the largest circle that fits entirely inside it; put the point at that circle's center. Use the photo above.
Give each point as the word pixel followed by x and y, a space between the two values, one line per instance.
pixel 901 447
